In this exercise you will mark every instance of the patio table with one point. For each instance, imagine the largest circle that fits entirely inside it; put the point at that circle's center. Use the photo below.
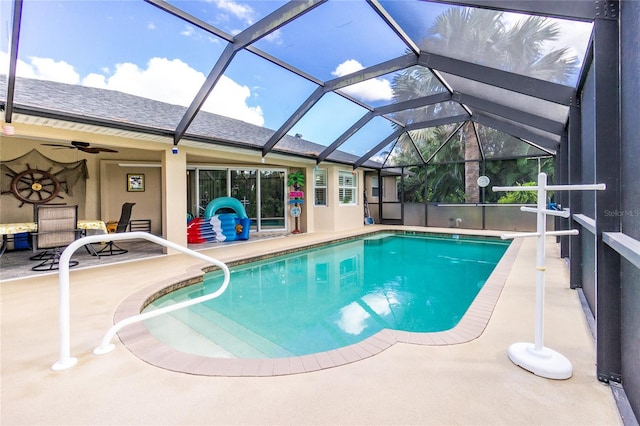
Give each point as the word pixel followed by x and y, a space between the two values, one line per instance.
pixel 7 229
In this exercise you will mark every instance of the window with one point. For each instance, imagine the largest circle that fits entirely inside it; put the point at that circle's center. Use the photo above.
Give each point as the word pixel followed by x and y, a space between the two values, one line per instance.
pixel 347 188
pixel 375 189
pixel 320 187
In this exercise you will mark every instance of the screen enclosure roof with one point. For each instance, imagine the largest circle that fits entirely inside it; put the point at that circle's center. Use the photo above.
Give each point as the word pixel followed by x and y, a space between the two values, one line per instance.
pixel 377 83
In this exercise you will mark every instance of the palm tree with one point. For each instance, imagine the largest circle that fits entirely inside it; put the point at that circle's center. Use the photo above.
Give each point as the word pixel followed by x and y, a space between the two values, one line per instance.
pixel 480 36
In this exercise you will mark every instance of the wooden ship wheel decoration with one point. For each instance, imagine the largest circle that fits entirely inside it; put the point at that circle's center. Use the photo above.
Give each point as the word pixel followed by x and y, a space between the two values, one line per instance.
pixel 34 186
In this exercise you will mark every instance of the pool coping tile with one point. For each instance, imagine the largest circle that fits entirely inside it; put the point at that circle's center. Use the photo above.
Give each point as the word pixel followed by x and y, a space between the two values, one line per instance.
pixel 281 366
pixel 145 346
pixel 266 367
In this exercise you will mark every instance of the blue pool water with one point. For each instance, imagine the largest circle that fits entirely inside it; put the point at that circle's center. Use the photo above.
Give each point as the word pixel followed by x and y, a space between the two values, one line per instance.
pixel 333 296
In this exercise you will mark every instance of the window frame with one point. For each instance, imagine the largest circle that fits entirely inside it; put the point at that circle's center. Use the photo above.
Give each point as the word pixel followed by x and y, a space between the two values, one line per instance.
pixel 316 187
pixel 342 188
pixel 375 186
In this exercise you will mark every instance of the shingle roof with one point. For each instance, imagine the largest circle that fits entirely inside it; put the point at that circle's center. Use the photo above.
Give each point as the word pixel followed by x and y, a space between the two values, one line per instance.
pixel 118 109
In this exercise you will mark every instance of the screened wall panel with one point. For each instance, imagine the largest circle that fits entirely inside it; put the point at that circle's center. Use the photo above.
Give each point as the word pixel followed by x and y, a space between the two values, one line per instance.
pixel 588 145
pixel 471 34
pixel 630 201
pixel 148 70
pixel 227 16
pixel 248 83
pixel 630 125
pixel 317 32
pixel 517 101
pixel 329 118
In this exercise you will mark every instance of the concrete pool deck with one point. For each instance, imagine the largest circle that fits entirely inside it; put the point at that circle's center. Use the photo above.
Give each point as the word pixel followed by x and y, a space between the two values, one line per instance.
pixel 465 383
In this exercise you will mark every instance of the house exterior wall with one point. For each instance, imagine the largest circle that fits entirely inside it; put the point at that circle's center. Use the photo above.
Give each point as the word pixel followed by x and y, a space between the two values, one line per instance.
pixel 174 197
pixel 113 192
pixel 333 216
pixel 164 199
pixel 322 215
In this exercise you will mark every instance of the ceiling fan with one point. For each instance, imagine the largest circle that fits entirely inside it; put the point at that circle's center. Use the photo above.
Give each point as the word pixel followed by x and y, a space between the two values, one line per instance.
pixel 82 146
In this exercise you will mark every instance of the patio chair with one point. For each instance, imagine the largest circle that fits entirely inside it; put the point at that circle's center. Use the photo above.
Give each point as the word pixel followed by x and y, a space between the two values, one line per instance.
pixel 57 228
pixel 110 248
pixel 45 254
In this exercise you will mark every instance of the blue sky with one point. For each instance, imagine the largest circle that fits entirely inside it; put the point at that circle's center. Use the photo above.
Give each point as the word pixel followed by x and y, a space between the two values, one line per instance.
pixel 133 47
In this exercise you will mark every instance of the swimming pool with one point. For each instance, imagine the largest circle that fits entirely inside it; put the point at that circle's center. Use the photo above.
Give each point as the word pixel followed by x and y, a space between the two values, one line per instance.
pixel 330 297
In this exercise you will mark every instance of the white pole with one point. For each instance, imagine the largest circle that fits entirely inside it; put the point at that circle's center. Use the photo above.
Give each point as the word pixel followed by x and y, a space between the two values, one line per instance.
pixel 540 256
pixel 65 361
pixel 536 357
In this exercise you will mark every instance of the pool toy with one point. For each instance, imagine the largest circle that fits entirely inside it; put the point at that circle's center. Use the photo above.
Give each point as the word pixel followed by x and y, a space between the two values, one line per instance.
pixel 220 227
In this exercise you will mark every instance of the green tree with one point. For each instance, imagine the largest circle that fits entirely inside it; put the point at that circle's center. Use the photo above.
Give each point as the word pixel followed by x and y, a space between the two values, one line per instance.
pixel 520 197
pixel 516 172
pixel 479 36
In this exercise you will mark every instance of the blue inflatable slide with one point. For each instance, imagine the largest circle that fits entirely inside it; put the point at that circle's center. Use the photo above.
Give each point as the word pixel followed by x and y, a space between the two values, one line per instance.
pixel 220 227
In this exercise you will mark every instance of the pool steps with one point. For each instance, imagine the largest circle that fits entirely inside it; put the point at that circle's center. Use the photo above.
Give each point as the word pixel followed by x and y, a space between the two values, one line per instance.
pixel 174 329
pixel 65 360
pixel 223 331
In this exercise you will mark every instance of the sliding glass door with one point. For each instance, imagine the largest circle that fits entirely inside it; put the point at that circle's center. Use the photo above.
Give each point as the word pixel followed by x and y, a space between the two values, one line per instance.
pixel 244 188
pixel 261 192
pixel 272 199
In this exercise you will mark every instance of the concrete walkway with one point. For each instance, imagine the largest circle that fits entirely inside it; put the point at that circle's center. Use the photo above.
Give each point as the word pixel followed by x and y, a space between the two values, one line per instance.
pixel 473 383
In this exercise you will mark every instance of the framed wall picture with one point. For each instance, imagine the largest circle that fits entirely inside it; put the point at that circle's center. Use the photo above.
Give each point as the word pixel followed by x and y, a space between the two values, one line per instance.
pixel 135 182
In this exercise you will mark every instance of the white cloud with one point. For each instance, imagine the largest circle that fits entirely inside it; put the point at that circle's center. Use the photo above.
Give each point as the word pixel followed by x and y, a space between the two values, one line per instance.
pixel 188 31
pixel 375 89
pixel 171 81
pixel 229 98
pixel 59 71
pixel 164 80
pixel 175 82
pixel 213 40
pixel 41 69
pixel 241 11
pixel 347 67
pixel 98 81
pixel 274 37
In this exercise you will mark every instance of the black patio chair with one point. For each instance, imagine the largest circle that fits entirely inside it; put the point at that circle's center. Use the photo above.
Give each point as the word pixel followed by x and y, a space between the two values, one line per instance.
pixel 110 247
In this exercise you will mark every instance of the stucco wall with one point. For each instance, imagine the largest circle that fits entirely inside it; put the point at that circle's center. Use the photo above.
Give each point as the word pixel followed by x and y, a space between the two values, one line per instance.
pixel 106 186
pixel 10 207
pixel 114 192
pixel 336 217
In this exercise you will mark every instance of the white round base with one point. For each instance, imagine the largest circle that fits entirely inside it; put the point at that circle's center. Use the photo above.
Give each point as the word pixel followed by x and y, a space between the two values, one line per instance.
pixel 63 365
pixel 101 350
pixel 544 363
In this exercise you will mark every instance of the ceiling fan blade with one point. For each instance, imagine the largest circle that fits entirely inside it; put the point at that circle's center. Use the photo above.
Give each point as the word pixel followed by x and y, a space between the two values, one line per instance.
pixel 89 149
pixel 95 150
pixel 82 146
pixel 58 145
